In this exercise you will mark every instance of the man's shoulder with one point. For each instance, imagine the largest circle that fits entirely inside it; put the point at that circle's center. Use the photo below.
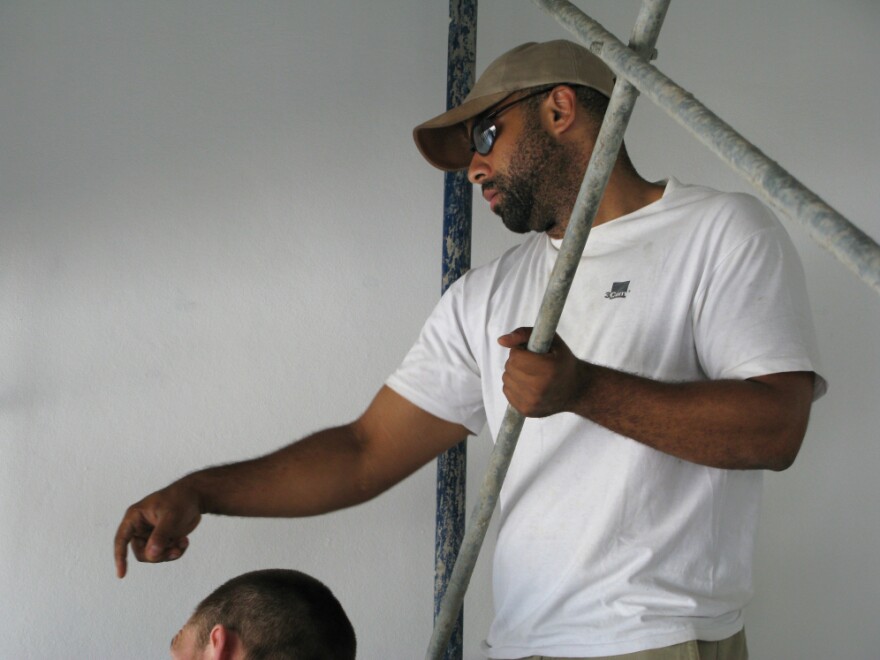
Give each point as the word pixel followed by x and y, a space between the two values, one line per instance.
pixel 722 214
pixel 683 194
pixel 498 269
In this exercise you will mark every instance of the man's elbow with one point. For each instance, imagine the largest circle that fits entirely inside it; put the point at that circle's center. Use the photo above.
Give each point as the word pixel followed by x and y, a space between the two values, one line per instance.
pixel 787 447
pixel 787 419
pixel 782 462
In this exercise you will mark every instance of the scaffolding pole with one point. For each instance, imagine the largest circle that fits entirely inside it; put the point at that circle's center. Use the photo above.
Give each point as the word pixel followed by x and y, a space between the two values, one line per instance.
pixel 457 203
pixel 590 194
pixel 852 247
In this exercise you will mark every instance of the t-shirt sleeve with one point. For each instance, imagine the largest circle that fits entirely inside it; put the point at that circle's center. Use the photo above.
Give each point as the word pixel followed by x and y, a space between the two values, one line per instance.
pixel 440 373
pixel 752 316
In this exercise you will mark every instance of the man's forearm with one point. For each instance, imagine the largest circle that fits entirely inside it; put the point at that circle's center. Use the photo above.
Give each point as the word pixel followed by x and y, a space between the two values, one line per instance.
pixel 321 473
pixel 329 470
pixel 751 424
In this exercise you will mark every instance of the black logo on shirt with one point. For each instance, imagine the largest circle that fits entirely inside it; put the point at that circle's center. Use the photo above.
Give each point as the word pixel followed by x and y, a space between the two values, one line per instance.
pixel 618 290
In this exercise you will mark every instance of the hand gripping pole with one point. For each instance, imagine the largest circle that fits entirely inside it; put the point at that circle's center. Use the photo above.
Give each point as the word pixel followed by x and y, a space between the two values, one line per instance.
pixel 598 172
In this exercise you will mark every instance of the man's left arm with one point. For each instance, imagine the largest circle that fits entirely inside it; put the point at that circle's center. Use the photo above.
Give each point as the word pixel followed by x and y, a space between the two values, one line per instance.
pixel 758 423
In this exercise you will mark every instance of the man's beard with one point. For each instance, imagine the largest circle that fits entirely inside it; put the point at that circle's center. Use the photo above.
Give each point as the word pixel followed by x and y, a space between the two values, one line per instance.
pixel 541 183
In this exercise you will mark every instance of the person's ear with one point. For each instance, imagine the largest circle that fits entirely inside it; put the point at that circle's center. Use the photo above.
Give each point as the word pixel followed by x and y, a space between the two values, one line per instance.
pixel 222 643
pixel 560 109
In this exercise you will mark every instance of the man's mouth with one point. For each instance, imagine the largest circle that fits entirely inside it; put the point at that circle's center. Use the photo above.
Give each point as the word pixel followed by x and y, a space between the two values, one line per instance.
pixel 491 195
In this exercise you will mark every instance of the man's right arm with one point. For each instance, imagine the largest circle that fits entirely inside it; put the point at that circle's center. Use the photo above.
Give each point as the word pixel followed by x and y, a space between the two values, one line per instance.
pixel 329 470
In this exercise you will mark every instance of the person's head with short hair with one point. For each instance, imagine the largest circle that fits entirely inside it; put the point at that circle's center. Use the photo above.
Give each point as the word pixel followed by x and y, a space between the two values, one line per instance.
pixel 272 614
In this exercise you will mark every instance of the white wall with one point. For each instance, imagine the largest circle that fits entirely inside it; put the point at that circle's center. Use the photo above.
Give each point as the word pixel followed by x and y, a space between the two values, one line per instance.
pixel 217 236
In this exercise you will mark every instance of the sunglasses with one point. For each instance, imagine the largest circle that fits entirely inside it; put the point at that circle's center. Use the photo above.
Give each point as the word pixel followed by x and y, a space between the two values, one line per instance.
pixel 485 129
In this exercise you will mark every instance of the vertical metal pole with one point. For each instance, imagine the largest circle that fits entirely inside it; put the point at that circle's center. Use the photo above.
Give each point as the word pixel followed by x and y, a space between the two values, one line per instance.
pixel 598 172
pixel 457 197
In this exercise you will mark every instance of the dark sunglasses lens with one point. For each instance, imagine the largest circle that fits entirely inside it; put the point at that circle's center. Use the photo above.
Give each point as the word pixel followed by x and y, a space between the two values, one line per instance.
pixel 484 137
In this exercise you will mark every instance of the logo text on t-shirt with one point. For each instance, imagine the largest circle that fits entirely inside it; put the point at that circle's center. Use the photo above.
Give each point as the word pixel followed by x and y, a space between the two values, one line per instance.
pixel 618 290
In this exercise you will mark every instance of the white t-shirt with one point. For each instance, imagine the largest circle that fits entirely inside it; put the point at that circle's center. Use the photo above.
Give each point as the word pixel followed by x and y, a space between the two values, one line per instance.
pixel 607 546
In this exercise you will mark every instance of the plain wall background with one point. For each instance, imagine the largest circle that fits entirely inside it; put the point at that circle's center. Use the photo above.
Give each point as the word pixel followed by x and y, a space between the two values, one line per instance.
pixel 217 236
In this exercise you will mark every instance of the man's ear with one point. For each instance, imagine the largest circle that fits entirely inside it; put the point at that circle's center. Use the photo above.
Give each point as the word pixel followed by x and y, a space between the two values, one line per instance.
pixel 560 109
pixel 223 644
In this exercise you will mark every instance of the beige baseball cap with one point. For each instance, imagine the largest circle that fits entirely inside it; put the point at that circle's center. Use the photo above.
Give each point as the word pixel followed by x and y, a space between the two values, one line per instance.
pixel 444 140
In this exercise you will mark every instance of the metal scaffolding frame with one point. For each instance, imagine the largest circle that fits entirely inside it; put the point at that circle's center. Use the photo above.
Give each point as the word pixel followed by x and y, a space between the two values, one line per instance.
pixel 855 249
pixel 457 199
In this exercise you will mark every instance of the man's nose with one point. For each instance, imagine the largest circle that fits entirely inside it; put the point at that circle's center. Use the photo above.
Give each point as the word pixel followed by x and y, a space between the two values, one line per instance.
pixel 479 168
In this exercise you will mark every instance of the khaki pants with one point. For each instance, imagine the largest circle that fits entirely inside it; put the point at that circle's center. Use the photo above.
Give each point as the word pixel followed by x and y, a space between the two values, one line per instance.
pixel 732 648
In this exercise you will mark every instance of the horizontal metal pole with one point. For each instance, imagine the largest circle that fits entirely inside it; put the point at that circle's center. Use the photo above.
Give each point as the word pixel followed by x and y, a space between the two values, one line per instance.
pixel 855 249
pixel 598 172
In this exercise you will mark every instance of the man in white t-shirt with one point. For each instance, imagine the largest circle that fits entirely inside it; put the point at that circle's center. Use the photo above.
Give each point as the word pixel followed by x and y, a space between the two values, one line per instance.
pixel 684 366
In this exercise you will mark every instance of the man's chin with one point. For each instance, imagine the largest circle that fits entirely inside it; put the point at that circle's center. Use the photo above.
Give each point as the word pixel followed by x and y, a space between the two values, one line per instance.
pixel 505 218
pixel 515 228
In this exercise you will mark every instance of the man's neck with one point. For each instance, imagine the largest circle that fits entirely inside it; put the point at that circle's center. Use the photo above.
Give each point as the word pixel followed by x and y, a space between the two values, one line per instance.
pixel 626 193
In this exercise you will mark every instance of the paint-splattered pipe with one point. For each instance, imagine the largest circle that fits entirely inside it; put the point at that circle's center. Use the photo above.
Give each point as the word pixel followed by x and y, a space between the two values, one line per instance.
pixel 457 199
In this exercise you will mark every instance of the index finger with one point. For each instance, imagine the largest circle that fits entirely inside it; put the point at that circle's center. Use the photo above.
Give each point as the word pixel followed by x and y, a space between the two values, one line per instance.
pixel 135 529
pixel 124 534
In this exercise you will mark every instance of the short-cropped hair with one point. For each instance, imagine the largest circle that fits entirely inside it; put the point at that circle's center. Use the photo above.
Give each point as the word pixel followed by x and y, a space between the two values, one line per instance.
pixel 278 614
pixel 591 100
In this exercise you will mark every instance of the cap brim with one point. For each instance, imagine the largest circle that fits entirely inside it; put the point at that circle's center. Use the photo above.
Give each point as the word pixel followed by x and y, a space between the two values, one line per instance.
pixel 444 140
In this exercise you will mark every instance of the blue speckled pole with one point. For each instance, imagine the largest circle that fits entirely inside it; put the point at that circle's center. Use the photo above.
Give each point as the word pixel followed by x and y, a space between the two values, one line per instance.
pixel 452 464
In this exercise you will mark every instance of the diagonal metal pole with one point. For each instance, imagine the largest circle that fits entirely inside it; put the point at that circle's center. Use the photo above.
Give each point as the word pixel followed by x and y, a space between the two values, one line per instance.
pixel 849 244
pixel 590 194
